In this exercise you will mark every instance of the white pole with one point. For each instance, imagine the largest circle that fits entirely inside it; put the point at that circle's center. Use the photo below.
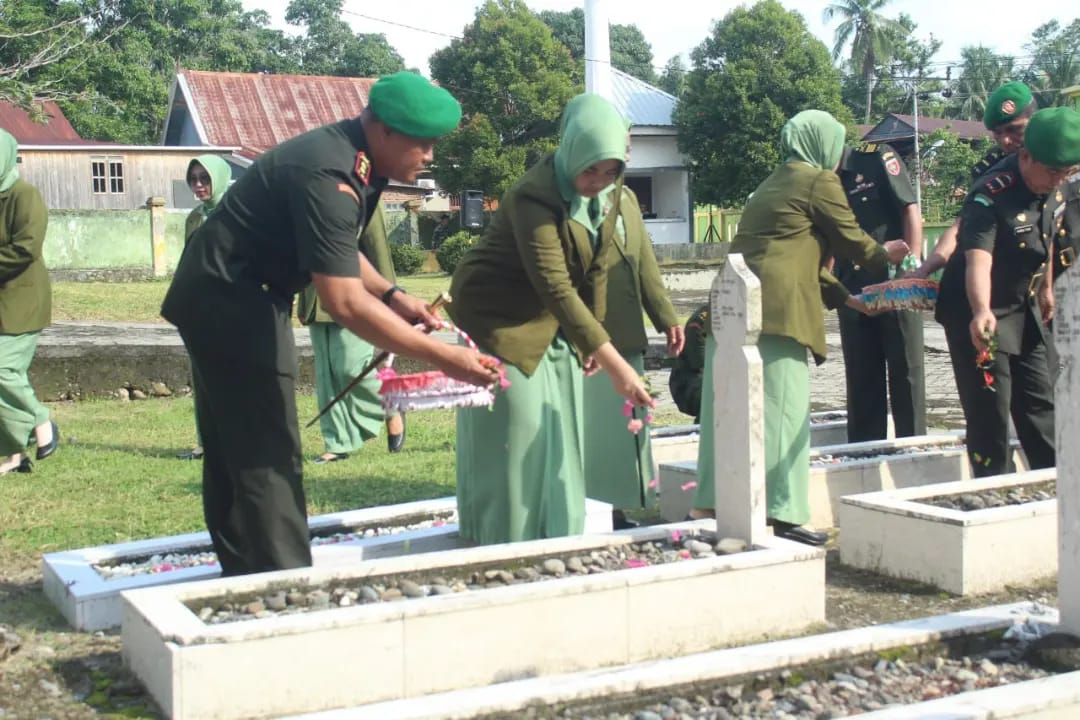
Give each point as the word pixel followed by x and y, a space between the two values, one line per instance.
pixel 918 158
pixel 597 49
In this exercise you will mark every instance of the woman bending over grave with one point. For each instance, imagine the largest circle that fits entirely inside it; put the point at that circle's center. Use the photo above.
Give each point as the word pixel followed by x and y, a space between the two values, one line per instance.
pixel 25 309
pixel 792 224
pixel 530 292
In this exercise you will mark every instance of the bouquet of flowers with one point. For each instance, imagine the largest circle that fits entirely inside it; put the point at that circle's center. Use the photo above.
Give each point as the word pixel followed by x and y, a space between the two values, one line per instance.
pixel 984 360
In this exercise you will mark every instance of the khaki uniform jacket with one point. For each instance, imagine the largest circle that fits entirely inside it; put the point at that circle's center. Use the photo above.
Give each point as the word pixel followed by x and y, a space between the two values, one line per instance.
pixel 374 246
pixel 797 218
pixel 25 292
pixel 532 273
pixel 633 283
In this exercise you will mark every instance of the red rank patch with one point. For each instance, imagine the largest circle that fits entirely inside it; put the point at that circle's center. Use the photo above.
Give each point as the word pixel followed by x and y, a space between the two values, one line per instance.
pixel 362 167
pixel 892 166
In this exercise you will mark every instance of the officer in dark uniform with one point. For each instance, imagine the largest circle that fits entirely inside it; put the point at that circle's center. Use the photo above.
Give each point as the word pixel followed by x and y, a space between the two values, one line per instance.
pixel 295 217
pixel 1067 242
pixel 887 346
pixel 687 373
pixel 989 290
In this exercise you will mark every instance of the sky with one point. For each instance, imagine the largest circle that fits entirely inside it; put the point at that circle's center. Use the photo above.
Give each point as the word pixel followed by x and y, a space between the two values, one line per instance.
pixel 681 25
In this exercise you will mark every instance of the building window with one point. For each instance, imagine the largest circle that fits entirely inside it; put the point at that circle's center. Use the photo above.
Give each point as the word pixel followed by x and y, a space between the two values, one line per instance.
pixel 107 174
pixel 642 187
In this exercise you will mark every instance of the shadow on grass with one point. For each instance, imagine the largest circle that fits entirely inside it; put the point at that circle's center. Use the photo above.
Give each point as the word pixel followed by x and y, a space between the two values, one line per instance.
pixel 23 605
pixel 168 453
pixel 102 682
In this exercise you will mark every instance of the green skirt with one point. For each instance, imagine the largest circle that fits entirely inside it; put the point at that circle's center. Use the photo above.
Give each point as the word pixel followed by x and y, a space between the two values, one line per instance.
pixel 786 376
pixel 520 468
pixel 20 411
pixel 339 357
pixel 618 464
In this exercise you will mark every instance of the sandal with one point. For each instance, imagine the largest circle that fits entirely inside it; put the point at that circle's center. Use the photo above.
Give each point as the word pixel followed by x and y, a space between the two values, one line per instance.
pixel 329 458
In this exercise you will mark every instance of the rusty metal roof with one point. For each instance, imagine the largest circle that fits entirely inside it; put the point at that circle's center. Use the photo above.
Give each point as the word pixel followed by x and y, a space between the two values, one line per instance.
pixel 256 111
pixel 57 131
pixel 899 127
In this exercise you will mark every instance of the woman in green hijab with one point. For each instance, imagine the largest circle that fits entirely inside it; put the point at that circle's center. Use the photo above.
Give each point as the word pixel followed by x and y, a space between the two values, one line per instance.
pixel 25 309
pixel 793 223
pixel 208 178
pixel 533 291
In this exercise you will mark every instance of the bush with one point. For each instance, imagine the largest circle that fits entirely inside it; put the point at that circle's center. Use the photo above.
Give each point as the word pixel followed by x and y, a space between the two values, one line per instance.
pixel 407 258
pixel 453 249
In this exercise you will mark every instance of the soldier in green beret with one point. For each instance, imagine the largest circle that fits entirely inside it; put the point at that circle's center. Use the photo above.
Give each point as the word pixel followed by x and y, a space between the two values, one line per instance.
pixel 25 310
pixel 295 217
pixel 996 295
pixel 533 291
pixel 686 375
pixel 341 355
pixel 1008 110
pixel 883 354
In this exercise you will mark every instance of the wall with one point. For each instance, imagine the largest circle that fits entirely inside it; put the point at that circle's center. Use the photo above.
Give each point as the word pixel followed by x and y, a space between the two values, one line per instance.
pixel 654 151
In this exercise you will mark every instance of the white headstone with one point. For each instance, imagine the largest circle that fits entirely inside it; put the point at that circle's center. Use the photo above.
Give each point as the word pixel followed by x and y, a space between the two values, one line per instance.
pixel 738 403
pixel 1067 432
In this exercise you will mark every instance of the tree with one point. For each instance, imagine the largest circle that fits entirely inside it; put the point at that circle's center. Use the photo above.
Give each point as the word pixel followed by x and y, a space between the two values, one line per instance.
pixel 331 48
pixel 513 79
pixel 673 78
pixel 1055 61
pixel 759 67
pixel 872 37
pixel 946 172
pixel 630 51
pixel 981 72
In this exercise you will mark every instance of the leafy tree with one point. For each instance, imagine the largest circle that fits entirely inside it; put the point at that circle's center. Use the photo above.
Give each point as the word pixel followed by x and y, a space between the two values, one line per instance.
pixel 331 48
pixel 673 78
pixel 873 38
pixel 630 51
pixel 759 67
pixel 981 72
pixel 946 172
pixel 513 79
pixel 1055 61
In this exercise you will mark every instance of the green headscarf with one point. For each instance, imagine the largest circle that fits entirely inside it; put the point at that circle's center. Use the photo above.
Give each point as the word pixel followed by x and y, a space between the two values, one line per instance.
pixel 220 173
pixel 814 137
pixel 9 153
pixel 592 130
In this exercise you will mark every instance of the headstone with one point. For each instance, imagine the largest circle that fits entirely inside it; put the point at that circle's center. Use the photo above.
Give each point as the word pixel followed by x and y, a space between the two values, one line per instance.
pixel 1067 431
pixel 738 403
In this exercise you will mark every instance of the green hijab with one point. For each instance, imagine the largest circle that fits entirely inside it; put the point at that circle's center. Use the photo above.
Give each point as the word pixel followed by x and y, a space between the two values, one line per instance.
pixel 9 152
pixel 592 130
pixel 813 137
pixel 220 173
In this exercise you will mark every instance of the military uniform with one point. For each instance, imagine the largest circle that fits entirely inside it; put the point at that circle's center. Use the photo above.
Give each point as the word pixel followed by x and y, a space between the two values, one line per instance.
pixel 298 209
pixel 1067 241
pixel 1003 217
pixel 886 347
pixel 687 372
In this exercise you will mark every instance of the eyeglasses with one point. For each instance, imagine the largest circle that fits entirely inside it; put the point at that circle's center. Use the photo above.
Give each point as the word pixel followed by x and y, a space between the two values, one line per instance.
pixel 199 179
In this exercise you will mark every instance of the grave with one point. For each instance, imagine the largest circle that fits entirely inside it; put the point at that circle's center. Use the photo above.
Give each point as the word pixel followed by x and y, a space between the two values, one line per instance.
pixel 1066 428
pixel 195 667
pixel 897 533
pixel 848 469
pixel 90 600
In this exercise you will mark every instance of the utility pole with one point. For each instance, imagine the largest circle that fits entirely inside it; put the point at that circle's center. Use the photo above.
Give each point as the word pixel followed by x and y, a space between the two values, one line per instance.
pixel 918 157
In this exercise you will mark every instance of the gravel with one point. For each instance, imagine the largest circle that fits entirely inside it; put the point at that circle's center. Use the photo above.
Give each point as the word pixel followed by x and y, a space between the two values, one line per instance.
pixel 827 459
pixel 677 547
pixel 197 557
pixel 997 497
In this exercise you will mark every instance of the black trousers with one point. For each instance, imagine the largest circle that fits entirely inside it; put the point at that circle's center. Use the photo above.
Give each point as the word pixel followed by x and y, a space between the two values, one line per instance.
pixel 883 365
pixel 1022 389
pixel 245 402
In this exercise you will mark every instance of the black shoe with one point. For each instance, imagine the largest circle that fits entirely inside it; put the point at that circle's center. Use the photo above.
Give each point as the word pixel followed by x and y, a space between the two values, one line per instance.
pixel 619 521
pixel 394 443
pixel 329 458
pixel 798 533
pixel 193 454
pixel 26 466
pixel 47 450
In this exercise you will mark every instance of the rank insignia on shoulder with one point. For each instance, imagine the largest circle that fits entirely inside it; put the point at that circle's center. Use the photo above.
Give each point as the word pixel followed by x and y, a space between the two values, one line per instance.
pixel 982 200
pixel 1000 182
pixel 892 164
pixel 867 147
pixel 1058 196
pixel 362 168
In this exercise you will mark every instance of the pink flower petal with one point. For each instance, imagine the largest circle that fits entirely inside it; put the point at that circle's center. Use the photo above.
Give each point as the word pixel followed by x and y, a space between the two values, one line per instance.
pixel 688 486
pixel 635 563
pixel 684 554
pixel 676 536
pixel 635 426
pixel 654 482
pixel 628 409
pixel 648 418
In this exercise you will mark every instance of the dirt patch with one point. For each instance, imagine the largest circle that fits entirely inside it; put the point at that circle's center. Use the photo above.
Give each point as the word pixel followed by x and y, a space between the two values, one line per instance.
pixel 61 674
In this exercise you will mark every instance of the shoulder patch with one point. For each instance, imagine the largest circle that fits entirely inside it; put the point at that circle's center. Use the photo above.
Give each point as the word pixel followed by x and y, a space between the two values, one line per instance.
pixel 999 183
pixel 982 200
pixel 892 164
pixel 347 189
pixel 362 168
pixel 988 161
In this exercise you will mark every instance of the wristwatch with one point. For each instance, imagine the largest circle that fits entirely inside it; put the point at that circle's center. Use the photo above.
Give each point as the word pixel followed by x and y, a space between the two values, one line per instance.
pixel 390 293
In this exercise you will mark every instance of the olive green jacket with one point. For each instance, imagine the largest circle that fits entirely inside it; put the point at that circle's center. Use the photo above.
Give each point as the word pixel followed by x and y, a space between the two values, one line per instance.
pixel 374 246
pixel 633 283
pixel 25 292
pixel 796 219
pixel 533 273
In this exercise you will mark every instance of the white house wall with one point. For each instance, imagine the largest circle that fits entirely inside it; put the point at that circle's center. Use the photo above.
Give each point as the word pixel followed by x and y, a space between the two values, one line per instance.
pixel 654 151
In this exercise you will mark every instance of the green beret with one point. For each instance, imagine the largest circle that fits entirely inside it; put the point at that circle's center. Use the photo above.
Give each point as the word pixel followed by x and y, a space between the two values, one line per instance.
pixel 1053 137
pixel 1006 103
pixel 408 103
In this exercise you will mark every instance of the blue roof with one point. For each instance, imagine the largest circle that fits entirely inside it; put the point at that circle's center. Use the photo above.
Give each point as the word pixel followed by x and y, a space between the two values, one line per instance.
pixel 640 102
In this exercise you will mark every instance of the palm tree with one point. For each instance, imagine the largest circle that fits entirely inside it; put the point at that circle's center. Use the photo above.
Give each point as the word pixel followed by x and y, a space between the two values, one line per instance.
pixel 872 36
pixel 981 72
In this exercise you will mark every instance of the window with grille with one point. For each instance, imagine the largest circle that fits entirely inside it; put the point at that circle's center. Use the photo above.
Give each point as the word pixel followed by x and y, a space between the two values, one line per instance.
pixel 107 174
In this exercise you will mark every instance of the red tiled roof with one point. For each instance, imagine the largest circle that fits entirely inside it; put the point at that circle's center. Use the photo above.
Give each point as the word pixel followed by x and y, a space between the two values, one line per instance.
pixel 966 129
pixel 255 111
pixel 57 131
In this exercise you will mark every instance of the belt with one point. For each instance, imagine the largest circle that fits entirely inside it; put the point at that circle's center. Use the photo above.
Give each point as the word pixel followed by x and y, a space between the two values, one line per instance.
pixel 1067 256
pixel 1034 282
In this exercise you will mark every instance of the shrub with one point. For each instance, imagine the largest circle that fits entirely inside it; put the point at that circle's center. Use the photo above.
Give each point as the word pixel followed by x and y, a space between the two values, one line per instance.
pixel 453 249
pixel 407 258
